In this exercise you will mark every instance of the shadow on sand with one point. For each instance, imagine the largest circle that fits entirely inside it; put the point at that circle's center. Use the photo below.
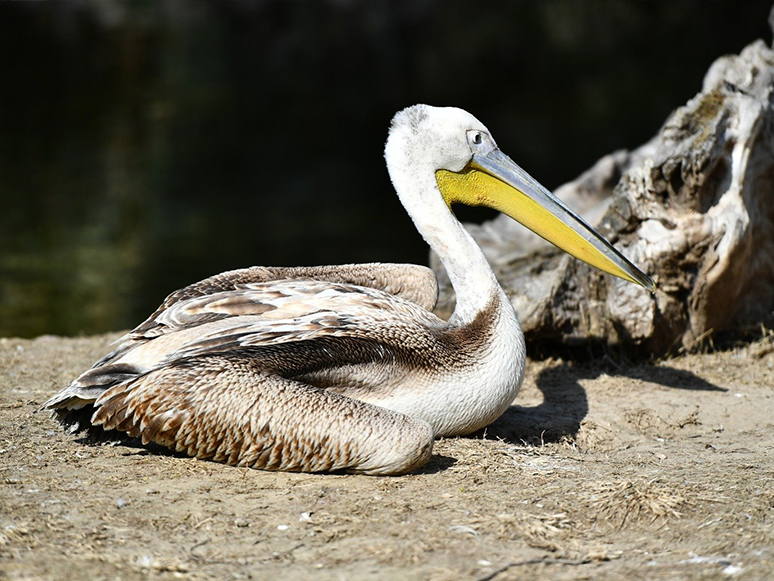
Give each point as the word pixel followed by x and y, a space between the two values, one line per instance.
pixel 565 403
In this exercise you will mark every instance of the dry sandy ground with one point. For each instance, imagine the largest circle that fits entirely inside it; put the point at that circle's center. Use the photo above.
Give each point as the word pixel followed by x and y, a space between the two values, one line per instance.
pixel 657 471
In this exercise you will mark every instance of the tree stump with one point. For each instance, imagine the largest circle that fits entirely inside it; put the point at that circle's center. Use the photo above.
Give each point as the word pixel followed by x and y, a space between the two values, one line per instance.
pixel 693 207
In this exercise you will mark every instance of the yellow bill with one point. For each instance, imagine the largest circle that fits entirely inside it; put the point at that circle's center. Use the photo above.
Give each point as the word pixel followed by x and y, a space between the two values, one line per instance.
pixel 495 181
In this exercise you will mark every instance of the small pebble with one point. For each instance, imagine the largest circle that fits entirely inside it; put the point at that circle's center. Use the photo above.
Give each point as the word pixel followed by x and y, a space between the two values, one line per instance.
pixel 733 570
pixel 241 522
pixel 463 529
pixel 282 527
pixel 120 503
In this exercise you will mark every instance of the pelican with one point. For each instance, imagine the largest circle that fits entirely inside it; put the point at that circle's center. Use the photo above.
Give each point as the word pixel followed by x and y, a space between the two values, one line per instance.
pixel 343 368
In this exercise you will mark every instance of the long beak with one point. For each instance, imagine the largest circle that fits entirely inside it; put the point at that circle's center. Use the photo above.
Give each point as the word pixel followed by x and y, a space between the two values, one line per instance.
pixel 495 181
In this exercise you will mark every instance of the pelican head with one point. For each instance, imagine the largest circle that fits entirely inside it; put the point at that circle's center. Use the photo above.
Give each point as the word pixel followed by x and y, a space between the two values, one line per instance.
pixel 467 167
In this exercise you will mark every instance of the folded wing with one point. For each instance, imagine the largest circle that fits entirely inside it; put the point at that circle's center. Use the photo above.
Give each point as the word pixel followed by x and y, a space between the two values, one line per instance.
pixel 329 333
pixel 227 408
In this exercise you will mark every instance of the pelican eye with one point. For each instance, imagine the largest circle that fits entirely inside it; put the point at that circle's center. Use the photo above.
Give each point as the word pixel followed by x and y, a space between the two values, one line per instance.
pixel 478 140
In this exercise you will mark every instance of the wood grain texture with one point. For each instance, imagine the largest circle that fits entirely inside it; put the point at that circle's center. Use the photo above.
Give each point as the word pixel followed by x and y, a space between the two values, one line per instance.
pixel 693 207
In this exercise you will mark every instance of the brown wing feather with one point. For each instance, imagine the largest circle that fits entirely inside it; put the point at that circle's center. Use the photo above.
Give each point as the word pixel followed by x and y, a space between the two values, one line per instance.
pixel 257 314
pixel 409 281
pixel 229 409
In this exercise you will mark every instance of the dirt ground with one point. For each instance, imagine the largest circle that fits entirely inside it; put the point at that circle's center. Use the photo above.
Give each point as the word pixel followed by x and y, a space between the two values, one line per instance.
pixel 653 471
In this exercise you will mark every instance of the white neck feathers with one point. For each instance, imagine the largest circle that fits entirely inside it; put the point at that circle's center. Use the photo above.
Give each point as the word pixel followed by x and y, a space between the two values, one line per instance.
pixel 412 160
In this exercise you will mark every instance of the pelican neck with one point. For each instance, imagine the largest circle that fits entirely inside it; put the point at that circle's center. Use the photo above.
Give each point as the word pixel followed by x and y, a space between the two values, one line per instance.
pixel 469 272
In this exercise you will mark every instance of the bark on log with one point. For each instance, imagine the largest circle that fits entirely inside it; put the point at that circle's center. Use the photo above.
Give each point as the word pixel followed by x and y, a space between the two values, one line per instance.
pixel 694 208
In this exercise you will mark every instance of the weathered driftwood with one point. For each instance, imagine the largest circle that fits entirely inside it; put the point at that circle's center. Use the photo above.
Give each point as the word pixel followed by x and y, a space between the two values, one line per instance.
pixel 694 208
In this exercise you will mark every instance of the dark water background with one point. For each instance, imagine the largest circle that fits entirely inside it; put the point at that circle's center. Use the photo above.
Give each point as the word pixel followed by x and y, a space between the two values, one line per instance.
pixel 146 145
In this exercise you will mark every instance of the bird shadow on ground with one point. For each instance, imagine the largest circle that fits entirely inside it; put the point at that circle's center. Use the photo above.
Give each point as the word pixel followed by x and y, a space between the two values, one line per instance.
pixel 565 403
pixel 437 463
pixel 564 407
pixel 133 446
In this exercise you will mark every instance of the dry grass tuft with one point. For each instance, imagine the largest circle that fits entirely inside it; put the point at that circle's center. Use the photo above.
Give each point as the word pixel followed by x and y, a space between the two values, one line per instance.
pixel 541 531
pixel 763 346
pixel 622 502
